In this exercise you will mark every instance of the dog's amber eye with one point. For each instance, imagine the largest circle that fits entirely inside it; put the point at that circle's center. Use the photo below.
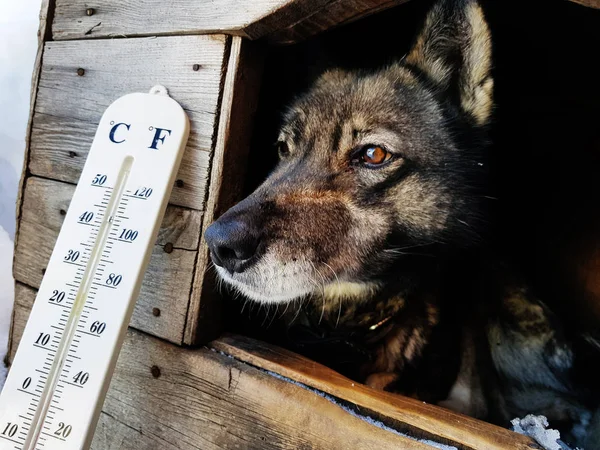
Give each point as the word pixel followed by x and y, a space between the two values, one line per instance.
pixel 375 155
pixel 282 149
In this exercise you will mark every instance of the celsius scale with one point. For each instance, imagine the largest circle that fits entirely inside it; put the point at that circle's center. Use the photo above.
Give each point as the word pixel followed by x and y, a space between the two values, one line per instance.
pixel 56 386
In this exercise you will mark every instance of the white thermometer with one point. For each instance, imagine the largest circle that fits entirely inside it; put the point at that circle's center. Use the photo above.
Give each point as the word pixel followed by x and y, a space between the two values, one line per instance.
pixel 62 369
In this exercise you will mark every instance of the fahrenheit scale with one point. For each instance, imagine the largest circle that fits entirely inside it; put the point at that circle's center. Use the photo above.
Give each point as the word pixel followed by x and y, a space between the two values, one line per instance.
pixel 61 372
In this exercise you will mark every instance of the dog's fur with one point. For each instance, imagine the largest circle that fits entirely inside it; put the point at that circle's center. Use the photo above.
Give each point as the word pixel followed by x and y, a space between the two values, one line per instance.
pixel 388 259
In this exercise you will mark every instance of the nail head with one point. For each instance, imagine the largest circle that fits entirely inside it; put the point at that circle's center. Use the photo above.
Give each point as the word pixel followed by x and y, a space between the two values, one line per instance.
pixel 80 72
pixel 168 248
pixel 155 371
pixel 90 11
pixel 155 312
pixel 196 67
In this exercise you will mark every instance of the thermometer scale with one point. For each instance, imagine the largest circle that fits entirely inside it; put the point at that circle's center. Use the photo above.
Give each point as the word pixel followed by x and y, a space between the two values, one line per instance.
pixel 62 369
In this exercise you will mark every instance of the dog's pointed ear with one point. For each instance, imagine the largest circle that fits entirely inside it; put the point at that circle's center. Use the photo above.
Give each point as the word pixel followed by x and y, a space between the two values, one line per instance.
pixel 454 50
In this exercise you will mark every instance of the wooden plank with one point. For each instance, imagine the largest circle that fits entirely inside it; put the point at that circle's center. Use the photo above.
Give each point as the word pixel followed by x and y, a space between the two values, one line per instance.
pixel 47 202
pixel 285 21
pixel 239 104
pixel 411 416
pixel 114 18
pixel 69 106
pixel 43 29
pixel 329 15
pixel 588 3
pixel 167 282
pixel 24 298
pixel 163 397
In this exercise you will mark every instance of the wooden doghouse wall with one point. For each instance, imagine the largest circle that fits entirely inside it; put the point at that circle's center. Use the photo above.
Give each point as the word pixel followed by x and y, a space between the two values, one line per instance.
pixel 77 81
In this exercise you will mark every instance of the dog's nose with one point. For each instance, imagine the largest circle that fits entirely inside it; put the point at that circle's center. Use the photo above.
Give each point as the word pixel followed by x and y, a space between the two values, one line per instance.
pixel 232 244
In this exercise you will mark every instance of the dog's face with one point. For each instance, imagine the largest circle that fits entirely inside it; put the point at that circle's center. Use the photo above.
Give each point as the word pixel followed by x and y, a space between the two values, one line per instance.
pixel 372 166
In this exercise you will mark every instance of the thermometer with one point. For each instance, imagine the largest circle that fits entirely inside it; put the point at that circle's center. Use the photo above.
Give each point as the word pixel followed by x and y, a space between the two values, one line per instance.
pixel 56 386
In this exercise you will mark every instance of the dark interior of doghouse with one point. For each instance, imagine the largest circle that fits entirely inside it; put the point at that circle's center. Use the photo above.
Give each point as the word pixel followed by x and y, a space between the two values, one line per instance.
pixel 546 136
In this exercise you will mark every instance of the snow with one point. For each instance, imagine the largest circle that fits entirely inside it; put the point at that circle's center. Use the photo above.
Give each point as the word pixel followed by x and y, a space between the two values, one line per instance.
pixel 6 295
pixel 18 45
pixel 536 427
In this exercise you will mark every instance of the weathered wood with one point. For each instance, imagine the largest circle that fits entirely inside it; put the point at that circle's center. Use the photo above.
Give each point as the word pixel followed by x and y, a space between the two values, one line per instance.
pixel 24 298
pixel 329 15
pixel 408 415
pixel 167 282
pixel 114 18
pixel 239 103
pixel 200 399
pixel 47 201
pixel 588 3
pixel 45 8
pixel 69 106
pixel 285 21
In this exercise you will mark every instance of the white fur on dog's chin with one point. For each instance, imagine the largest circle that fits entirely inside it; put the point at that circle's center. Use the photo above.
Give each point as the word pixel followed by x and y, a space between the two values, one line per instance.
pixel 271 281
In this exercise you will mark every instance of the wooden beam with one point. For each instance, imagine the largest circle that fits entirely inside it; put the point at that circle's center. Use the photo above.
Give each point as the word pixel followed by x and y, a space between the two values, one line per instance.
pixel 318 19
pixel 238 106
pixel 167 282
pixel 286 20
pixel 588 3
pixel 114 18
pixel 164 397
pixel 70 101
pixel 408 415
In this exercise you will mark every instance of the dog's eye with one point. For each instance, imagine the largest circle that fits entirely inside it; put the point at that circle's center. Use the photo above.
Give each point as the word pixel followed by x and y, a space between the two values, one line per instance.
pixel 374 155
pixel 282 149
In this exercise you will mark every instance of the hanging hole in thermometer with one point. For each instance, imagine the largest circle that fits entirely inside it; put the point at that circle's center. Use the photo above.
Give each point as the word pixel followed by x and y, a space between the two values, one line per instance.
pixel 60 374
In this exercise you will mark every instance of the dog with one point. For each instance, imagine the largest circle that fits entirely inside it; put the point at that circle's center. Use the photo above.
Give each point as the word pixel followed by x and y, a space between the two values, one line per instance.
pixel 375 219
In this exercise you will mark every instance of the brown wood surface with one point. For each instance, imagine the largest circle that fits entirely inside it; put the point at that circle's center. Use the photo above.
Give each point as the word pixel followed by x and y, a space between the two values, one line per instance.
pixel 164 397
pixel 283 21
pixel 69 106
pixel 588 3
pixel 411 416
pixel 115 18
pixel 329 15
pixel 240 97
pixel 167 282
pixel 289 19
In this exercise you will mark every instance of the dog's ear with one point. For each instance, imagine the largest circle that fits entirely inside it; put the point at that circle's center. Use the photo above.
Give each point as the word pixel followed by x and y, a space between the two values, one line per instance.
pixel 454 50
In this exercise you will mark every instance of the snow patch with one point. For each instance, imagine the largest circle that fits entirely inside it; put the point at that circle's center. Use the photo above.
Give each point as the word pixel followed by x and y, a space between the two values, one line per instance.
pixel 7 287
pixel 536 427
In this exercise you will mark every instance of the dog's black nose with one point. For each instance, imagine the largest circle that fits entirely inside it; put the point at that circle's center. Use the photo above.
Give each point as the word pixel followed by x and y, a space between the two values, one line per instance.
pixel 232 244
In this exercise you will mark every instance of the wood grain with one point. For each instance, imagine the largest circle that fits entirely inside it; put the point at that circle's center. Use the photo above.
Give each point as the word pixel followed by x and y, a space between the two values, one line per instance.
pixel 114 18
pixel 69 106
pixel 167 282
pixel 588 3
pixel 411 416
pixel 283 21
pixel 47 202
pixel 205 400
pixel 239 104
pixel 326 16
pixel 43 29
pixel 24 298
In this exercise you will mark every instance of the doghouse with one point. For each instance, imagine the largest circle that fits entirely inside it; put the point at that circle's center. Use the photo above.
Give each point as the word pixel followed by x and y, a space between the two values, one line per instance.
pixel 180 382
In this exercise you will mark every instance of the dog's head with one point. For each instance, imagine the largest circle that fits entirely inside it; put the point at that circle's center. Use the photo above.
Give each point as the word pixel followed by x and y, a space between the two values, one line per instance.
pixel 371 164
